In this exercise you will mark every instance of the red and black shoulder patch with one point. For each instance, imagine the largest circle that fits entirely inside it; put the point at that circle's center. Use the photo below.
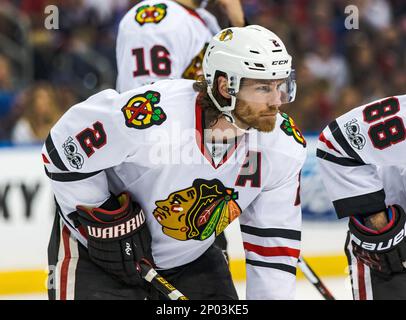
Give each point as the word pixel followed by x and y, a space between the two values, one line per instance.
pixel 151 14
pixel 141 111
pixel 288 126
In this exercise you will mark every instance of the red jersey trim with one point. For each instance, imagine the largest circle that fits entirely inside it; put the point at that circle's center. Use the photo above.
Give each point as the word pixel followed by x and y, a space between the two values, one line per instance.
pixel 322 138
pixel 272 251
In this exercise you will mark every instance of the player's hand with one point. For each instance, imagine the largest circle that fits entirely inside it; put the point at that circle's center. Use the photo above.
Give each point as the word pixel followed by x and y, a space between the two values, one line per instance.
pixel 118 240
pixel 233 10
pixel 384 250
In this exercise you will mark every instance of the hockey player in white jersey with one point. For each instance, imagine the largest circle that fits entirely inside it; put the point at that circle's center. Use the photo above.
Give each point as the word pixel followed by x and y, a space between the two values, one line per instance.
pixel 153 175
pixel 159 39
pixel 167 39
pixel 362 157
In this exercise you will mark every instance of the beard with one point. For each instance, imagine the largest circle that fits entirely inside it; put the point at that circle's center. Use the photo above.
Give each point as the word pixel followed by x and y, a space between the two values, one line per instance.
pixel 248 115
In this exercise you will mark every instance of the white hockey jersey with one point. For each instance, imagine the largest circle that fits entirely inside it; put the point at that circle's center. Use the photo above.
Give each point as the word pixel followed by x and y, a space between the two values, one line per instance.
pixel 148 141
pixel 362 157
pixel 159 39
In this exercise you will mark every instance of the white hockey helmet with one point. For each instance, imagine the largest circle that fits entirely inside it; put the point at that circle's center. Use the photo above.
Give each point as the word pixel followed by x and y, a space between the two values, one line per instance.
pixel 251 52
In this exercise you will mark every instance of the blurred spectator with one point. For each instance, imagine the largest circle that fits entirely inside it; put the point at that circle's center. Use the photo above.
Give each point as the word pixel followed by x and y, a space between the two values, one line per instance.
pixel 6 85
pixel 41 110
pixel 312 108
pixel 399 82
pixel 377 13
pixel 339 69
pixel 349 98
pixel 106 9
pixel 7 98
pixel 323 60
pixel 324 64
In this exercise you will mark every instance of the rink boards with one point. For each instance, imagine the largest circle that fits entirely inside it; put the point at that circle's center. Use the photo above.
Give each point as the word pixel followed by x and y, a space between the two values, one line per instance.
pixel 26 213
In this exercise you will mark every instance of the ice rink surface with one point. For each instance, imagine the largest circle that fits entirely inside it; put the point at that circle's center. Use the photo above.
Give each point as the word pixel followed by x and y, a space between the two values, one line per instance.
pixel 339 287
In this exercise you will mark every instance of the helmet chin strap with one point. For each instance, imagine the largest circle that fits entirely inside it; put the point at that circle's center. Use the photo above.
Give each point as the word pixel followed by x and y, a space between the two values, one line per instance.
pixel 227 114
pixel 230 118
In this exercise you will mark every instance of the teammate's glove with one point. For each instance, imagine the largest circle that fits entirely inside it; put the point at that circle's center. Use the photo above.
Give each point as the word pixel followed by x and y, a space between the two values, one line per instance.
pixel 117 240
pixel 384 251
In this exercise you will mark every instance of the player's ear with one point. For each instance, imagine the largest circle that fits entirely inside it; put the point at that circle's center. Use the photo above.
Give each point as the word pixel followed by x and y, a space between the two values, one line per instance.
pixel 222 87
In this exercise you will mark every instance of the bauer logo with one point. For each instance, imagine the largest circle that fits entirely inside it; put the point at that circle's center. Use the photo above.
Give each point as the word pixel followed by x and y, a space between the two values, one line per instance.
pixel 118 230
pixel 380 246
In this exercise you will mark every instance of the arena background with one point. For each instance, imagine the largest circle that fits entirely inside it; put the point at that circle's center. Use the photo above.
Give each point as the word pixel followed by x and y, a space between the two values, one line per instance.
pixel 43 72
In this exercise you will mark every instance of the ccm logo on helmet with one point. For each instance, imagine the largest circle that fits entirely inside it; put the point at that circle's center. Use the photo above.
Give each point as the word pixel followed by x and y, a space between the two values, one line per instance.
pixel 380 246
pixel 118 230
pixel 274 63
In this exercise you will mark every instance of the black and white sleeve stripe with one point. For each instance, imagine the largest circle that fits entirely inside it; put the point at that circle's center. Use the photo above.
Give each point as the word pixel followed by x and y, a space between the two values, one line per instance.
pixel 70 176
pixel 352 160
pixel 342 161
pixel 340 139
pixel 53 154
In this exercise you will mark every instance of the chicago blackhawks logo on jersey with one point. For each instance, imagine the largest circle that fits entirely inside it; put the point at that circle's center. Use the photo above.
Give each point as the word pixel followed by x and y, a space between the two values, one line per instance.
pixel 194 70
pixel 141 111
pixel 197 212
pixel 150 14
pixel 288 126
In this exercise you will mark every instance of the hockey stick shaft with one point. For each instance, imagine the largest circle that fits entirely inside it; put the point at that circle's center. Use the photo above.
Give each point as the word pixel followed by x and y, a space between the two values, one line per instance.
pixel 160 283
pixel 314 279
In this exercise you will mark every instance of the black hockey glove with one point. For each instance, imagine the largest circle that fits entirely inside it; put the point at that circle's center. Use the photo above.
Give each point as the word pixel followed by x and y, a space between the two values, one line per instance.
pixel 383 251
pixel 117 240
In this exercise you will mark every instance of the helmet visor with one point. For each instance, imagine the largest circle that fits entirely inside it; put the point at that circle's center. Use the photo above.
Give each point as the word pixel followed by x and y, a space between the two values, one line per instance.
pixel 267 91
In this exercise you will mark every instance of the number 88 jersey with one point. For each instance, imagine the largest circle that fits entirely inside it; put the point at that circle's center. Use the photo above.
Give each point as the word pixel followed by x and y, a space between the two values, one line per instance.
pixel 362 157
